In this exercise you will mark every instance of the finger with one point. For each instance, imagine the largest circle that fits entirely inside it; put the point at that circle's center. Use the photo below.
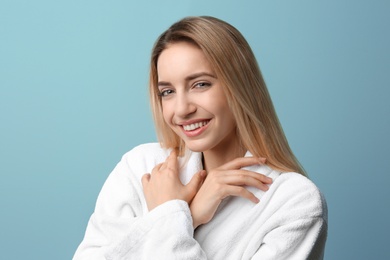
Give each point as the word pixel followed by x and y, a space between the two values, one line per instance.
pixel 145 180
pixel 240 180
pixel 171 162
pixel 242 162
pixel 157 167
pixel 196 181
pixel 239 191
pixel 261 177
pixel 262 160
pixel 167 162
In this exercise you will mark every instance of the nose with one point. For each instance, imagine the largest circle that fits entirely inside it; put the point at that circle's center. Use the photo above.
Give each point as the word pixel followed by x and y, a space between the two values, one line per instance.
pixel 184 106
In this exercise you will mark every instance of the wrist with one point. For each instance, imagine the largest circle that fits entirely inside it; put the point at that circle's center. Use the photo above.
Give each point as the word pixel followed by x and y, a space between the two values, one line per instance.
pixel 195 224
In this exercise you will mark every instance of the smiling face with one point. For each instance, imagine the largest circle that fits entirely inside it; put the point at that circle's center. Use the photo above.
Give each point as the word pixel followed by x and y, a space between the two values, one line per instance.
pixel 193 102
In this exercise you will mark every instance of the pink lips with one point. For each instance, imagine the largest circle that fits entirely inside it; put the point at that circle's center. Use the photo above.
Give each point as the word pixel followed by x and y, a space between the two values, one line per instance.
pixel 197 131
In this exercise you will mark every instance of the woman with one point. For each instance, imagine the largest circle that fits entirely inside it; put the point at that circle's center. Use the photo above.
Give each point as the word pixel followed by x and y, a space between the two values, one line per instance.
pixel 224 183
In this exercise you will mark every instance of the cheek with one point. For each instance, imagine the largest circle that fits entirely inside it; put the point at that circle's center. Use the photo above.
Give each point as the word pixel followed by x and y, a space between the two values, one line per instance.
pixel 226 114
pixel 167 113
pixel 220 106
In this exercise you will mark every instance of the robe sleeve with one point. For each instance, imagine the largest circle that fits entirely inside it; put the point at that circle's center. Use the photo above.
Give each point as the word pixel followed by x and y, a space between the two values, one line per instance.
pixel 121 228
pixel 298 226
pixel 300 239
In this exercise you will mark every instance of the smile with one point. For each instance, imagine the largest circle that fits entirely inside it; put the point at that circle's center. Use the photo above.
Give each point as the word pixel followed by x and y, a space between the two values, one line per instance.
pixel 194 126
pixel 195 129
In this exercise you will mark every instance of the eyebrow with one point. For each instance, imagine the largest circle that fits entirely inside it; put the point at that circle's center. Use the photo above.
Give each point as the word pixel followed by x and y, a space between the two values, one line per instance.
pixel 188 78
pixel 200 74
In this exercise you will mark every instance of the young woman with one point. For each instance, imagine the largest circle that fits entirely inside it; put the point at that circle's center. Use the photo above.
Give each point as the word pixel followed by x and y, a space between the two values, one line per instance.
pixel 223 182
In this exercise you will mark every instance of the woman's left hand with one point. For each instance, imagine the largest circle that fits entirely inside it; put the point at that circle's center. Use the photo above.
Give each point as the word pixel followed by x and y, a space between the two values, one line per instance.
pixel 227 180
pixel 164 183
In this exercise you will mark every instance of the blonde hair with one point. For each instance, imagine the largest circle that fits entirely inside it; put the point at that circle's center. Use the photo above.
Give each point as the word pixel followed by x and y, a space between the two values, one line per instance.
pixel 235 65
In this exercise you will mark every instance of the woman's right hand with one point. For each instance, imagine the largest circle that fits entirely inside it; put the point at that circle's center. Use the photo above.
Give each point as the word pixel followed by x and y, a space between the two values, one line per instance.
pixel 226 180
pixel 164 183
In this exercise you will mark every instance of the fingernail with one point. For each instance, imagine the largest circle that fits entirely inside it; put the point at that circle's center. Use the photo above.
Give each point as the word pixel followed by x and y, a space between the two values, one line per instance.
pixel 262 160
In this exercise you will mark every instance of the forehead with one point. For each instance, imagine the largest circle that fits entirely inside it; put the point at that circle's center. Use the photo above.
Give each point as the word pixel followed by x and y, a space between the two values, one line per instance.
pixel 182 57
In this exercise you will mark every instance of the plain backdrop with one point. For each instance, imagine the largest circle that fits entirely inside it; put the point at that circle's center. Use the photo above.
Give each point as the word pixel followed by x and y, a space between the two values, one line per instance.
pixel 73 100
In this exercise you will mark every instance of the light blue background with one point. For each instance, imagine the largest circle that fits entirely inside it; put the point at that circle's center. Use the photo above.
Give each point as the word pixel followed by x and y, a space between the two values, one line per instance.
pixel 73 99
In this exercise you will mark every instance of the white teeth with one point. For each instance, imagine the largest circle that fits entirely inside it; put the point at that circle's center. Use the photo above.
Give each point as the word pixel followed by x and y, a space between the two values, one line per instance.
pixel 192 127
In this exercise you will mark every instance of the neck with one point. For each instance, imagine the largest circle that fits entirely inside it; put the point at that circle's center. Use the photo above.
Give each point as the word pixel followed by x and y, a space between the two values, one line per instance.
pixel 216 157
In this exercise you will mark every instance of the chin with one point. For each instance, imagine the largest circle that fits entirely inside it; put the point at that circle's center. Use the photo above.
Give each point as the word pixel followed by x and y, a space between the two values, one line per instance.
pixel 197 147
pixel 196 150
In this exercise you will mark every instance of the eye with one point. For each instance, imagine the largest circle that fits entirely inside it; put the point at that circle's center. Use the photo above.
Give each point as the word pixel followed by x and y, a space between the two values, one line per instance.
pixel 202 85
pixel 166 92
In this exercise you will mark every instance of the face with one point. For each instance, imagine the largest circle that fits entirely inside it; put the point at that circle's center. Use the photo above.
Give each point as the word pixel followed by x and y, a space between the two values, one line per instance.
pixel 193 102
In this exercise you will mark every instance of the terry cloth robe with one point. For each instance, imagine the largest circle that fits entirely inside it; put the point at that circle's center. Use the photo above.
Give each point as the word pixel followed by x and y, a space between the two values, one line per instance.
pixel 289 222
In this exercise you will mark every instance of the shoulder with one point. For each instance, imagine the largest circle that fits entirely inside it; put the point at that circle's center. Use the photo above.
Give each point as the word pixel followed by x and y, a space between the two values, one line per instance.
pixel 148 152
pixel 297 194
pixel 296 182
pixel 140 160
pixel 145 148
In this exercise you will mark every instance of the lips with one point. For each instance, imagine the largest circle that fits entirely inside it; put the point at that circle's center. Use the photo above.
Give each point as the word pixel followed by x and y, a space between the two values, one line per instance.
pixel 193 126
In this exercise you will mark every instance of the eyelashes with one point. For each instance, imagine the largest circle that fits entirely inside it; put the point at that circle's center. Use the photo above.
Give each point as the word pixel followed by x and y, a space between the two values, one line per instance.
pixel 202 85
pixel 165 92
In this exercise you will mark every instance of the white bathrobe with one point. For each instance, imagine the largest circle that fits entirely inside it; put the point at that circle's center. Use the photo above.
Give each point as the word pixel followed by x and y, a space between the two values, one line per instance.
pixel 289 222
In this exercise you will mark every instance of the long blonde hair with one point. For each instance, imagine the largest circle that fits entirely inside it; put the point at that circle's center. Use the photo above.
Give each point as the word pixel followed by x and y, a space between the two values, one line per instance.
pixel 236 68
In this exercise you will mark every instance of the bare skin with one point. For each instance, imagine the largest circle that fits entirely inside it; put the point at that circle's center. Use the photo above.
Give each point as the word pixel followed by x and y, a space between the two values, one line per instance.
pixel 203 194
pixel 164 184
pixel 195 107
pixel 224 181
